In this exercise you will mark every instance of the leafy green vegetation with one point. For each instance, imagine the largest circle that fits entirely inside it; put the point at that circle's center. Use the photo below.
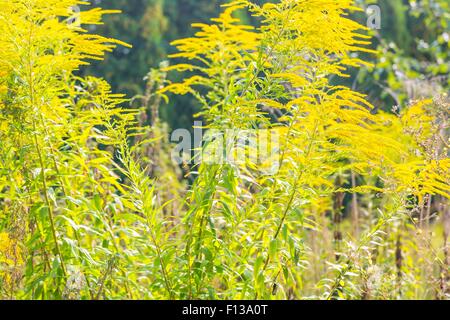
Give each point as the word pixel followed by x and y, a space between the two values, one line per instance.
pixel 350 202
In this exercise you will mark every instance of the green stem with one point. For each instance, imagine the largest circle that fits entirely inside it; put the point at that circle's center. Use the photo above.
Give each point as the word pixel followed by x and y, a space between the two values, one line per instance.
pixel 47 201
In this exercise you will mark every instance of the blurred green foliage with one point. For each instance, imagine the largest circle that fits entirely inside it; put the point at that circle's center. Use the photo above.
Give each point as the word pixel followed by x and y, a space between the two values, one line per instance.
pixel 413 60
pixel 149 26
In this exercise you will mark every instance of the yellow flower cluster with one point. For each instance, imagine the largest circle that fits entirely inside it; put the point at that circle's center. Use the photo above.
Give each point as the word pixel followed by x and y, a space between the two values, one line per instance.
pixel 38 40
pixel 10 256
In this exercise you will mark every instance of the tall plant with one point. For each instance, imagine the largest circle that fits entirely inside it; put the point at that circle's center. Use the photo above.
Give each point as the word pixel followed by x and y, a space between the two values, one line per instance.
pixel 249 230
